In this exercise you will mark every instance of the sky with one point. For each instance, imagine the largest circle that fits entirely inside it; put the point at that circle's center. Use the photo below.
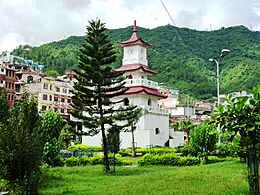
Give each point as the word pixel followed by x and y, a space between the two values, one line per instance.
pixel 35 22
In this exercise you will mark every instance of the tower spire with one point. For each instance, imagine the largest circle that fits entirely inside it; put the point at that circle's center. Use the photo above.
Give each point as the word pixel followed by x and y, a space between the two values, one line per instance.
pixel 134 28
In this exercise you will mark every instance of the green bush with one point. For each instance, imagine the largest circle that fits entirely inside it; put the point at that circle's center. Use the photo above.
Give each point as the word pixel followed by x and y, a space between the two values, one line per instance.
pixel 72 161
pixel 215 159
pixel 224 150
pixel 95 160
pixel 85 148
pixel 167 159
pixel 143 151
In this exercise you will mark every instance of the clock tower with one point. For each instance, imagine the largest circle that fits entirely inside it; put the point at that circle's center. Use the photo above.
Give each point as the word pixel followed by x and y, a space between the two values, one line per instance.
pixel 152 128
pixel 135 49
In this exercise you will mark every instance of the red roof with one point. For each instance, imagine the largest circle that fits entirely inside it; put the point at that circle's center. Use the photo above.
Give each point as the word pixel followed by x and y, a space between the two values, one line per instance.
pixel 135 39
pixel 135 67
pixel 144 90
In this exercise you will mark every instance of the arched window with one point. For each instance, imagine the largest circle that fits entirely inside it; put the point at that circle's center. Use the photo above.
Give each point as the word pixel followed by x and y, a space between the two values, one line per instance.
pixel 157 131
pixel 126 102
pixel 149 102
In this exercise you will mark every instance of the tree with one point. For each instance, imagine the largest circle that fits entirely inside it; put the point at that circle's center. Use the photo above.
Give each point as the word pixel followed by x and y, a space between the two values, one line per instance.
pixel 241 116
pixel 65 135
pixel 96 85
pixel 52 73
pixel 21 144
pixel 204 138
pixel 185 126
pixel 51 125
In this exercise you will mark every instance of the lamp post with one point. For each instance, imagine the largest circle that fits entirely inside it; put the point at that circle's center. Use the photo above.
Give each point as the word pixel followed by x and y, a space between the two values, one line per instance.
pixel 223 53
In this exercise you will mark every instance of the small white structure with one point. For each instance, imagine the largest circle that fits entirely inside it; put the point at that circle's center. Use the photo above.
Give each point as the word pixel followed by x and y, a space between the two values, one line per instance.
pixel 153 127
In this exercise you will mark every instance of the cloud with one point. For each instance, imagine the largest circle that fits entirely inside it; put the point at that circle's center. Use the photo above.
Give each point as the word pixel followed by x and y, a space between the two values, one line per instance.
pixel 10 41
pixel 37 21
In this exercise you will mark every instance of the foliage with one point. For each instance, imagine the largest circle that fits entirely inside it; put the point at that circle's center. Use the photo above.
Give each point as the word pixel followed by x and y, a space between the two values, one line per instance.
pixel 203 139
pixel 227 149
pixel 52 73
pixel 181 63
pixel 65 135
pixel 85 148
pixel 21 144
pixel 51 124
pixel 96 85
pixel 186 126
pixel 241 116
pixel 95 160
pixel 167 159
pixel 215 159
pixel 143 151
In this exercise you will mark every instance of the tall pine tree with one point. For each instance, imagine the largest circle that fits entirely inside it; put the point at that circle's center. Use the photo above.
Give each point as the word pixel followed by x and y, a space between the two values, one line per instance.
pixel 96 85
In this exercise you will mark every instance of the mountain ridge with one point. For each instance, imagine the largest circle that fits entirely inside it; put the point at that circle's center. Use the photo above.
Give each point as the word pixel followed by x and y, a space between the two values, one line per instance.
pixel 179 55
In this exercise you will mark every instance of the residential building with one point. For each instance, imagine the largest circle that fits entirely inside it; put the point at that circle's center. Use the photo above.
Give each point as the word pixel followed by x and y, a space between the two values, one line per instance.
pixel 7 81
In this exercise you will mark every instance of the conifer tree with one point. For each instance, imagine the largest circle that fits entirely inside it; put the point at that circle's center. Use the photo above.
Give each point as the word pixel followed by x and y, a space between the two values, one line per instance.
pixel 96 85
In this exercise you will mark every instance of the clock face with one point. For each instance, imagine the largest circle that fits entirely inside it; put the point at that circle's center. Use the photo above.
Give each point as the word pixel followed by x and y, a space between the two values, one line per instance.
pixel 130 51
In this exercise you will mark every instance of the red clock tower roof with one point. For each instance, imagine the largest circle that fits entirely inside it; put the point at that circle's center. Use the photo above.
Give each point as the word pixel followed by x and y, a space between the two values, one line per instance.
pixel 135 67
pixel 135 39
pixel 144 90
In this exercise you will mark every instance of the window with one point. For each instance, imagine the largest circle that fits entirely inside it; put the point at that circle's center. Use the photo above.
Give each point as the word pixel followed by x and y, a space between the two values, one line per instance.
pixel 157 131
pixel 44 108
pixel 126 102
pixel 57 89
pixel 50 98
pixel 45 86
pixel 2 70
pixel 62 110
pixel 56 99
pixel 50 87
pixel 64 90
pixel 44 97
pixel 55 109
pixel 62 100
pixel 130 76
pixel 149 102
pixel 69 100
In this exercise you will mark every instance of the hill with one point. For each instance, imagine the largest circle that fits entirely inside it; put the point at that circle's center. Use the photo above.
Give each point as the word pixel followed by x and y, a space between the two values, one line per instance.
pixel 179 55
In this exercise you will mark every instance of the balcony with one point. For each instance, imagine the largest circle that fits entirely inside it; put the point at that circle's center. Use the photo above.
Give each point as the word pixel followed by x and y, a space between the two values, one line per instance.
pixel 155 110
pixel 141 82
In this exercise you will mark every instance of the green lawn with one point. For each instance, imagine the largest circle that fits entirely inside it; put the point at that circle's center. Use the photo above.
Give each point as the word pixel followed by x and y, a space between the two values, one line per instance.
pixel 220 178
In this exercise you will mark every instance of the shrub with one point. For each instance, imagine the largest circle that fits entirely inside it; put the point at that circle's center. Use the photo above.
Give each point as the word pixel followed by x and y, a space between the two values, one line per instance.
pixel 167 159
pixel 72 161
pixel 224 150
pixel 215 159
pixel 143 151
pixel 85 148
pixel 95 160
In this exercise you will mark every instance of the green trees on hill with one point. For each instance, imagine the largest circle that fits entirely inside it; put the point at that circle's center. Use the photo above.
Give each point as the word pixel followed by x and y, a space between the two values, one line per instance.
pixel 179 55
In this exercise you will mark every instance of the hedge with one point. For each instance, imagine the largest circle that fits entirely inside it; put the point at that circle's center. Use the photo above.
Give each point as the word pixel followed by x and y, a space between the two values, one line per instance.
pixel 167 159
pixel 95 160
pixel 85 148
pixel 143 151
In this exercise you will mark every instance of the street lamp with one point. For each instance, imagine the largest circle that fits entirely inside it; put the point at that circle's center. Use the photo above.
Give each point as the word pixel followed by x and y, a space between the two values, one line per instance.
pixel 223 53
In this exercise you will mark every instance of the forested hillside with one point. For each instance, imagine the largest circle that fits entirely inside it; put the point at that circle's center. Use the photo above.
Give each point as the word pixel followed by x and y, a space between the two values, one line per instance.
pixel 179 55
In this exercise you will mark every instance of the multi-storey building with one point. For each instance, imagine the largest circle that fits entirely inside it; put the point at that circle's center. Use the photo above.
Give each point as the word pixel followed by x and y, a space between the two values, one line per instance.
pixel 52 93
pixel 7 81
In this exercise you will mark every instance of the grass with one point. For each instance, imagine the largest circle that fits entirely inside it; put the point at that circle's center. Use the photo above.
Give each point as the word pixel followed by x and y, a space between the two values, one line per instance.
pixel 214 179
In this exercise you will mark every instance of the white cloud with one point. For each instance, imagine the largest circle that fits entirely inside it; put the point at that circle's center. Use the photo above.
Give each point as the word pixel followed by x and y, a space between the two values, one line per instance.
pixel 10 41
pixel 38 21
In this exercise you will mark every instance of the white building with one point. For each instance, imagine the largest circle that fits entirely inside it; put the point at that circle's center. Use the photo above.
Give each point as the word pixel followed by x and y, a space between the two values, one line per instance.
pixel 153 127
